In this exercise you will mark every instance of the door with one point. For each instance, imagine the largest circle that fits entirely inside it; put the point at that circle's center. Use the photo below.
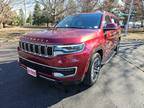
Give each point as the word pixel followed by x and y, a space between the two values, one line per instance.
pixel 108 38
pixel 115 33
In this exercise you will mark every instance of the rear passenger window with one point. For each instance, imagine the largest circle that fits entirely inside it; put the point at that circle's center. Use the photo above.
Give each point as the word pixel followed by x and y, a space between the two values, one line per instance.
pixel 117 21
pixel 114 20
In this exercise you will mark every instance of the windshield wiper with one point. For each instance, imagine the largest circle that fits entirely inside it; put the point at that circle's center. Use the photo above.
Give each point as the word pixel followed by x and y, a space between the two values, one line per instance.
pixel 72 27
pixel 60 27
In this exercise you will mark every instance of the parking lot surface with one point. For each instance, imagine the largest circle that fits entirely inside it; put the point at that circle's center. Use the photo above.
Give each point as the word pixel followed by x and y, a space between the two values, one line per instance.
pixel 120 84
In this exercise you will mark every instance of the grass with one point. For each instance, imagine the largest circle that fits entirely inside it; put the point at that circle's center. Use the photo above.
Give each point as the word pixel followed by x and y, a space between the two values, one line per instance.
pixel 12 35
pixel 134 36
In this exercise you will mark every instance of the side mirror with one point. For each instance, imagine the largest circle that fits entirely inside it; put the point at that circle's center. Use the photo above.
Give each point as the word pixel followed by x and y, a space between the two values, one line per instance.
pixel 110 26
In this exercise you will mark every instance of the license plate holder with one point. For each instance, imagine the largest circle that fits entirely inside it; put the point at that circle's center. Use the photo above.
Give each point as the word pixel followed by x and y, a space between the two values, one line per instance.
pixel 31 72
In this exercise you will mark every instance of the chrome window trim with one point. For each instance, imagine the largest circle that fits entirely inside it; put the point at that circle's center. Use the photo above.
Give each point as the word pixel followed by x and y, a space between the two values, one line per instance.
pixel 54 67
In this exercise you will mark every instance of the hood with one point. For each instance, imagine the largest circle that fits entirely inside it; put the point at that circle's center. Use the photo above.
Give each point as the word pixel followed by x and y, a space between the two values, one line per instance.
pixel 61 36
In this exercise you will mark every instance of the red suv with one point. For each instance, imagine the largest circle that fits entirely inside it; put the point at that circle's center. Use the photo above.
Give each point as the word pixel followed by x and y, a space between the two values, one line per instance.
pixel 74 50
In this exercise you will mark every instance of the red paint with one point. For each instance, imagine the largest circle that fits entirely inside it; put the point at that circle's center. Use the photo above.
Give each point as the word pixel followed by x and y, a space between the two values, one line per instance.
pixel 94 40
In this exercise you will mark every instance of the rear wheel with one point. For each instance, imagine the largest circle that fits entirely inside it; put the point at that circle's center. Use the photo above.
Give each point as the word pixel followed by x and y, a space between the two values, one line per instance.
pixel 93 70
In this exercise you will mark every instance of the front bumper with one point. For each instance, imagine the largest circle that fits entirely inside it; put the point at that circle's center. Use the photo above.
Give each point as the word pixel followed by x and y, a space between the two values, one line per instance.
pixel 64 68
pixel 49 70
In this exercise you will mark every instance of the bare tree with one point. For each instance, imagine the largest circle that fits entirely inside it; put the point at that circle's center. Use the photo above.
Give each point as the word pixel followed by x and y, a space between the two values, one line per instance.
pixel 5 12
pixel 87 5
pixel 72 7
pixel 54 8
pixel 137 10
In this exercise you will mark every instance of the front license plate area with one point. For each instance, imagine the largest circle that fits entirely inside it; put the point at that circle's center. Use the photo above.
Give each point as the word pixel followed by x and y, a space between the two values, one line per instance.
pixel 31 72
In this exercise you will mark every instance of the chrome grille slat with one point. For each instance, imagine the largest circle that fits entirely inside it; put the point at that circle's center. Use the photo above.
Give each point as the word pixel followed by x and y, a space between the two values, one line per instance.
pixel 29 48
pixel 37 49
pixel 25 46
pixel 34 48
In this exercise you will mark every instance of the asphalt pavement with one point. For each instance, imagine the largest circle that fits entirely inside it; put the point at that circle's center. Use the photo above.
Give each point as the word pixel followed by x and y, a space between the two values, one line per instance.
pixel 120 84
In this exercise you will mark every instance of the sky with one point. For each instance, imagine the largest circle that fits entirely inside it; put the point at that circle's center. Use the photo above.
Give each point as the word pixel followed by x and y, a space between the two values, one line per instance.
pixel 19 4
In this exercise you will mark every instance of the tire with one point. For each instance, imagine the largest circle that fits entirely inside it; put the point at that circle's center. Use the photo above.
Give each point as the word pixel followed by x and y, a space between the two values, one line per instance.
pixel 93 71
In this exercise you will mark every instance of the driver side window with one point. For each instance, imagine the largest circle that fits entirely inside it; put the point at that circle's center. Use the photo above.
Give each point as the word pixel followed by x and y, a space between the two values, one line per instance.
pixel 107 20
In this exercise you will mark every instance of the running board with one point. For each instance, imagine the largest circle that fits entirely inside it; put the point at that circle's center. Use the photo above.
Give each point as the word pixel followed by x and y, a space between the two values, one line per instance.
pixel 109 58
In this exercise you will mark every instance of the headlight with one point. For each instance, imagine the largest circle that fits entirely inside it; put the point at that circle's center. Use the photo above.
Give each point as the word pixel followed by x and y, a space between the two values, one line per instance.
pixel 67 49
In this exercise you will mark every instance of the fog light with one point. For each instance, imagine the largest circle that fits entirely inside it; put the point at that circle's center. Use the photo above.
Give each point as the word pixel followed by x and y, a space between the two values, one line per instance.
pixel 58 75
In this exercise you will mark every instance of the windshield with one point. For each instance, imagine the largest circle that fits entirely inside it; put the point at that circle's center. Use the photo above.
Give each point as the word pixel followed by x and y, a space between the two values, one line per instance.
pixel 82 21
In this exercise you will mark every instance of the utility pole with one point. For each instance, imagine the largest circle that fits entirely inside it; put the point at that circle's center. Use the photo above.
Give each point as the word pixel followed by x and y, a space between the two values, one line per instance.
pixel 129 15
pixel 24 11
pixel 143 6
pixel 143 14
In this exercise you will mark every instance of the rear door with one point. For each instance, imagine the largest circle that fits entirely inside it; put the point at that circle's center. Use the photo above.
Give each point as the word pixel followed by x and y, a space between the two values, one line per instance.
pixel 115 33
pixel 108 38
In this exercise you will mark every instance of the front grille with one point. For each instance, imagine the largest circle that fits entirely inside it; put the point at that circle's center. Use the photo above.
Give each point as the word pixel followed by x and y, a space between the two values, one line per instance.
pixel 41 50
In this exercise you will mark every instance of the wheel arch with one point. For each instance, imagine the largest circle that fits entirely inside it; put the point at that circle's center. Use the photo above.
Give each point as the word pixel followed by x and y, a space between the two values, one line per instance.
pixel 100 51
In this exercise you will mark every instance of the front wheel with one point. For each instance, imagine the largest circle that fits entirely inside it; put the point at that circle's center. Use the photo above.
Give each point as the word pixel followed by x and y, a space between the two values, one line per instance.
pixel 93 70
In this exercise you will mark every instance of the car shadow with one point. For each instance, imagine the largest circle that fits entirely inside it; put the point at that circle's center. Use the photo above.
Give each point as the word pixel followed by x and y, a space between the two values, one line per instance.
pixel 132 51
pixel 21 90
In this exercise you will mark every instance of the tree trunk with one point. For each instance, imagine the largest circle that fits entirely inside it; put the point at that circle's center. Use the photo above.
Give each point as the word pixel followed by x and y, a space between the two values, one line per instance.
pixel 3 25
pixel 47 24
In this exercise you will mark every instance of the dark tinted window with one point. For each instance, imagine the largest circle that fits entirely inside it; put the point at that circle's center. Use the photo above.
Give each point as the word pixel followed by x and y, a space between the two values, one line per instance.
pixel 84 21
pixel 107 20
